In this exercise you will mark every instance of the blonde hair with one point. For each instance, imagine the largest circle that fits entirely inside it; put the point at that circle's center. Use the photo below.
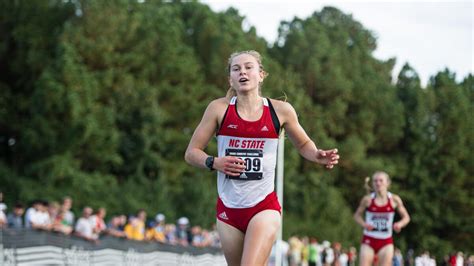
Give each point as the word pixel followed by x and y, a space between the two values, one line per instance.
pixel 231 91
pixel 368 188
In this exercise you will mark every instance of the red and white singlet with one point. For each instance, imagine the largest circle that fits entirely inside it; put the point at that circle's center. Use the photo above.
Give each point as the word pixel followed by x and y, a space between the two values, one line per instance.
pixel 256 143
pixel 381 218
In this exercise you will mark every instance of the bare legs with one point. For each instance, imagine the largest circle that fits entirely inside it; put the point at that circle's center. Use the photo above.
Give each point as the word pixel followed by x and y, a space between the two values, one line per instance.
pixel 255 246
pixel 384 255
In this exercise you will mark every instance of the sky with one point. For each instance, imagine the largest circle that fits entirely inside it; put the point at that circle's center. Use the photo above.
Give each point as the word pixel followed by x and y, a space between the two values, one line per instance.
pixel 429 35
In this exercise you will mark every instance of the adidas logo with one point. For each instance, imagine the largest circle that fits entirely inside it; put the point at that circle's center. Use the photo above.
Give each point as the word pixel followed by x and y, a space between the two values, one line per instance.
pixel 232 126
pixel 264 128
pixel 223 215
pixel 243 175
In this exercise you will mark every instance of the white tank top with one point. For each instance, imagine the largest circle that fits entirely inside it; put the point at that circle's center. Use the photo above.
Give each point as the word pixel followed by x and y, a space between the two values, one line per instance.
pixel 380 217
pixel 256 143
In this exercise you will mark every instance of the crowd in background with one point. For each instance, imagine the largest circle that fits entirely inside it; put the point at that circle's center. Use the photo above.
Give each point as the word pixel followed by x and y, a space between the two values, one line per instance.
pixel 91 225
pixel 307 251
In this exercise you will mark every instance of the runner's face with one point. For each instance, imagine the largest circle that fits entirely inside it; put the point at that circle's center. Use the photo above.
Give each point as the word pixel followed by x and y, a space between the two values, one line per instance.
pixel 380 183
pixel 245 74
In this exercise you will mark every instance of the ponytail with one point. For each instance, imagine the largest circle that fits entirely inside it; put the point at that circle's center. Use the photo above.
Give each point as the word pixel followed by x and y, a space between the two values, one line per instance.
pixel 367 187
pixel 230 93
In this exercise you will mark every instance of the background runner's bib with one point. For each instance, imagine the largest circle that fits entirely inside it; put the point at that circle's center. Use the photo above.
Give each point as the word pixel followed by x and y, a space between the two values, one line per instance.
pixel 381 218
pixel 256 143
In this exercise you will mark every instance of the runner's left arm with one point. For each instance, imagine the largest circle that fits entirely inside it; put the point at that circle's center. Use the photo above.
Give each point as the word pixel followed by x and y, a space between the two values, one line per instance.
pixel 405 217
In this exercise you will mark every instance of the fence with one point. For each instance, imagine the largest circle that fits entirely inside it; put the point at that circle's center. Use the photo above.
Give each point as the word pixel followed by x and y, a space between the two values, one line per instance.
pixel 27 247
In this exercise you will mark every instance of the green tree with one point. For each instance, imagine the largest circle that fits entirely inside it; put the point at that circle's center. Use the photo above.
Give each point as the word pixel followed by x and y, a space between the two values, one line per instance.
pixel 450 139
pixel 29 32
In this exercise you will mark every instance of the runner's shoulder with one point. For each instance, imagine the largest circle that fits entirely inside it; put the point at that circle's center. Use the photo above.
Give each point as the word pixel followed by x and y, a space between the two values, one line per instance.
pixel 218 104
pixel 366 200
pixel 396 199
pixel 282 107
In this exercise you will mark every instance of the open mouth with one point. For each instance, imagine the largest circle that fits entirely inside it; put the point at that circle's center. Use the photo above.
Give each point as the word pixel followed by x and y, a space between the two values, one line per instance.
pixel 243 80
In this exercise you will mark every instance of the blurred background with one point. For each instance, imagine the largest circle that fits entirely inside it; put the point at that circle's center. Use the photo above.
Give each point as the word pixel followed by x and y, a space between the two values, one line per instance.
pixel 98 100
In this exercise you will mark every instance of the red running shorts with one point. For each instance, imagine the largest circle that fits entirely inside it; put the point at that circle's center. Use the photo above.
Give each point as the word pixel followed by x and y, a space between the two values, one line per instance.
pixel 240 217
pixel 376 244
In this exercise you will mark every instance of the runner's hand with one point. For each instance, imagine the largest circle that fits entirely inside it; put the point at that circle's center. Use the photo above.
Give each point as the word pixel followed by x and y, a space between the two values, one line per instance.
pixel 329 158
pixel 369 227
pixel 229 165
pixel 397 227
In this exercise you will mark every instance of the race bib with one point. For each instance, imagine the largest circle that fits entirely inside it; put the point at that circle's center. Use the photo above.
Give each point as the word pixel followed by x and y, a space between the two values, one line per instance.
pixel 380 223
pixel 253 163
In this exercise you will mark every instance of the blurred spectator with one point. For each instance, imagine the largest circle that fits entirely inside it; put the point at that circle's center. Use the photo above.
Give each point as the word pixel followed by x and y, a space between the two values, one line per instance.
pixel 85 227
pixel 284 249
pixel 3 206
pixel 305 251
pixel 183 236
pixel 327 256
pixel 3 209
pixel 160 218
pixel 149 225
pixel 296 247
pixel 198 237
pixel 409 258
pixel 470 260
pixel 313 252
pixel 123 221
pixel 352 256
pixel 60 225
pixel 452 259
pixel 141 215
pixel 214 237
pixel 459 259
pixel 170 234
pixel 157 232
pixel 53 210
pixel 424 260
pixel 337 251
pixel 445 261
pixel 66 209
pixel 3 219
pixel 397 258
pixel 40 218
pixel 115 226
pixel 207 239
pixel 343 258
pixel 30 211
pixel 98 221
pixel 15 218
pixel 57 219
pixel 135 229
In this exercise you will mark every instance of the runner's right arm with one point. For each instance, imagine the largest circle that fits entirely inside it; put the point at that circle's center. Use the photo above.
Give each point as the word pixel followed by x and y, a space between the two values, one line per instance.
pixel 364 203
pixel 195 154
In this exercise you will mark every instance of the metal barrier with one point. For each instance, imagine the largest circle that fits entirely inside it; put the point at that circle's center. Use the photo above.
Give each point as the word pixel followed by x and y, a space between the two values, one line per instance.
pixel 28 247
